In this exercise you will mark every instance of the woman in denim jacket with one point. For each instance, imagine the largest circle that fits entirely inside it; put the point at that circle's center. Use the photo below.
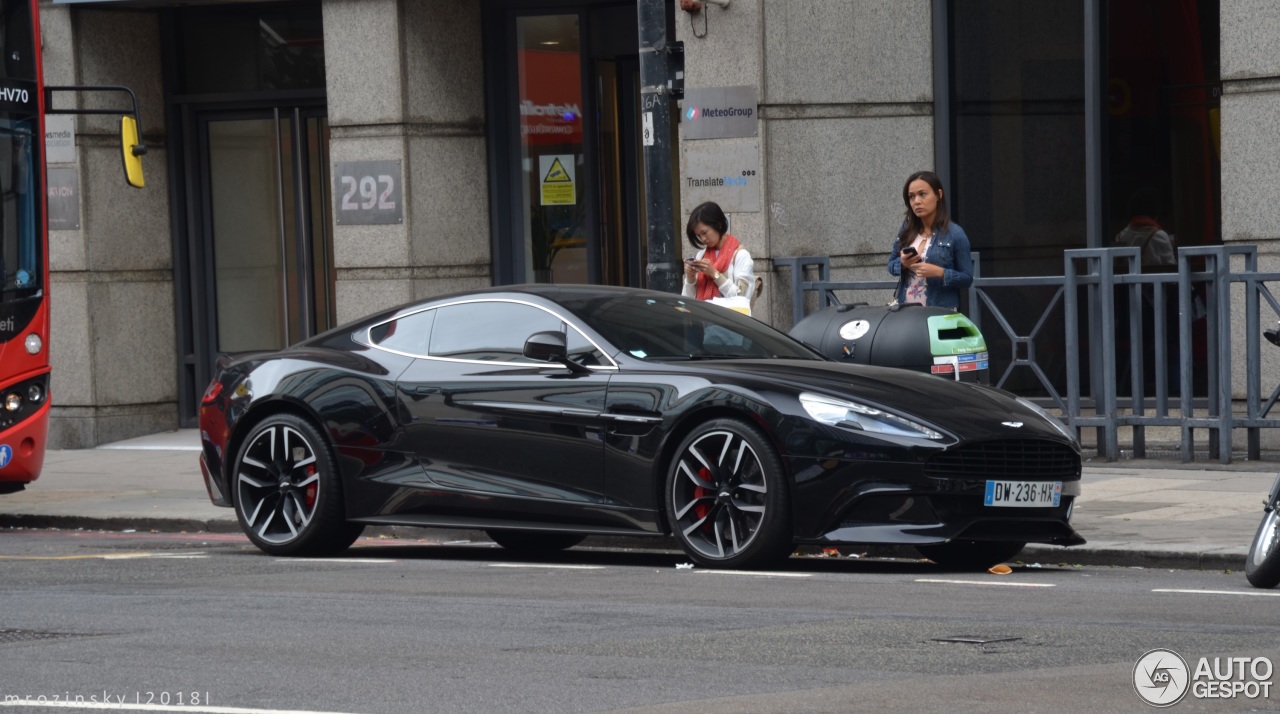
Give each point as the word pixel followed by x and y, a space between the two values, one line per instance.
pixel 942 265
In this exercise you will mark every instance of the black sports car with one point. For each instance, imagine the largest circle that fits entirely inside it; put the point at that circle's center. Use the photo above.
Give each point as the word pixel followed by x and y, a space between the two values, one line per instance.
pixel 543 414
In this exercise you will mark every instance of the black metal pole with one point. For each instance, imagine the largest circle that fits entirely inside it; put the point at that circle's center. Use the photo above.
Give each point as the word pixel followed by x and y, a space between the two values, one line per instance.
pixel 663 269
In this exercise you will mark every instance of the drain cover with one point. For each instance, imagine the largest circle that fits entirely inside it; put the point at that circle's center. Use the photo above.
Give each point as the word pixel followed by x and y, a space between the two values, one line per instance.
pixel 8 637
pixel 975 639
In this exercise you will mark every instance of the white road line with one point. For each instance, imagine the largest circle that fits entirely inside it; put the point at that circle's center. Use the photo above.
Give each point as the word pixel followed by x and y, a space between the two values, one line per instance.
pixel 127 707
pixel 985 582
pixel 758 573
pixel 548 567
pixel 1254 593
pixel 334 560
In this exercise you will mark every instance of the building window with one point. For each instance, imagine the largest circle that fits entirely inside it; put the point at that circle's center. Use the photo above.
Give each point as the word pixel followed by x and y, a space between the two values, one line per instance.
pixel 1019 180
pixel 250 49
pixel 1162 87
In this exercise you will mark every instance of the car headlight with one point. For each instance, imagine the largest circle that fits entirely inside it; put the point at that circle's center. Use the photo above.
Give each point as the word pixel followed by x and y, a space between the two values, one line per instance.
pixel 1055 421
pixel 851 415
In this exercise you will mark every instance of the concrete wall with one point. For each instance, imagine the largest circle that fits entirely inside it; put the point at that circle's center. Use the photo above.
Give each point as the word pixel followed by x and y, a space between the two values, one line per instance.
pixel 417 99
pixel 846 104
pixel 1250 123
pixel 112 341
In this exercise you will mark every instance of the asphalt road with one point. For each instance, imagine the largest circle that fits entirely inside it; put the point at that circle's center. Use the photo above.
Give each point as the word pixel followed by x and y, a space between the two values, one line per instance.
pixel 410 626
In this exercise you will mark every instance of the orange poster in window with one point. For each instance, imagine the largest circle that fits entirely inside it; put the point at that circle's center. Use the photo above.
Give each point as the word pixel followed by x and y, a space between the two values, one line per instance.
pixel 550 98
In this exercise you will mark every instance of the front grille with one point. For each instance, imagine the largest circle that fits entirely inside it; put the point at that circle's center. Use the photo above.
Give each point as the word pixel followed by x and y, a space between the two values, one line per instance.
pixel 892 508
pixel 1008 458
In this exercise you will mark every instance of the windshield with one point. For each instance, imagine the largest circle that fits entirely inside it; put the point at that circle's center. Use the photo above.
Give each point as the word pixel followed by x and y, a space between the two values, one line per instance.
pixel 20 258
pixel 676 328
pixel 20 245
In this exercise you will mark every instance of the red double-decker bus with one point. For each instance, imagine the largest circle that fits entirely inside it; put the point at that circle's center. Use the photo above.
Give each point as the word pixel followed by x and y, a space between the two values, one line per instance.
pixel 24 265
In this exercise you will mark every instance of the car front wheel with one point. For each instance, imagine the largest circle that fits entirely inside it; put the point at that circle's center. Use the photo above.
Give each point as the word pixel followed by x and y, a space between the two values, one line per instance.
pixel 287 490
pixel 727 501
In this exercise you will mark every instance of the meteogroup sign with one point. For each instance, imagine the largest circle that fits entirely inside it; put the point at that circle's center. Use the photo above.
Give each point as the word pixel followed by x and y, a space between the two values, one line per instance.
pixel 719 113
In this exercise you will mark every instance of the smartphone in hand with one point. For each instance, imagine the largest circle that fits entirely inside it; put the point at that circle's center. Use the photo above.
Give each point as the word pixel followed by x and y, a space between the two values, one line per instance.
pixel 908 252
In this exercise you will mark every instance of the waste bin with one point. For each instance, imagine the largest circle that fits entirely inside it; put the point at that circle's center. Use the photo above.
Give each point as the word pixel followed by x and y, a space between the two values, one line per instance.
pixel 926 339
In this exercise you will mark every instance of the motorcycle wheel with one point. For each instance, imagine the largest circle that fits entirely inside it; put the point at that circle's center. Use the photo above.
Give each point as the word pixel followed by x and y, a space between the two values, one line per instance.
pixel 1263 566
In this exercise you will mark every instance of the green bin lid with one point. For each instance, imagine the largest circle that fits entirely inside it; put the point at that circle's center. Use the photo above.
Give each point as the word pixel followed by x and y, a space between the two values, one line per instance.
pixel 954 334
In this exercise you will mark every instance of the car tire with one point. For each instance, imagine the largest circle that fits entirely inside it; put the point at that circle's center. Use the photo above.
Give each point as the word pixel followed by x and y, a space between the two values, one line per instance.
pixel 534 541
pixel 288 494
pixel 1262 568
pixel 726 497
pixel 970 554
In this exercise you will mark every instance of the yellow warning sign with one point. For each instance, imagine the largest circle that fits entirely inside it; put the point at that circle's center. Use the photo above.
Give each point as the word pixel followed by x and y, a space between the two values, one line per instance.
pixel 557 171
pixel 557 174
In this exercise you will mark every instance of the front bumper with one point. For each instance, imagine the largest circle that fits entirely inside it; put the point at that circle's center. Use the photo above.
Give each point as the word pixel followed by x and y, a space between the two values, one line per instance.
pixel 851 502
pixel 27 441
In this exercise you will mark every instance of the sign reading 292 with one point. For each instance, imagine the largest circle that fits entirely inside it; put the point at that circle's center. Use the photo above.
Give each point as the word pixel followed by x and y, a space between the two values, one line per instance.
pixel 368 192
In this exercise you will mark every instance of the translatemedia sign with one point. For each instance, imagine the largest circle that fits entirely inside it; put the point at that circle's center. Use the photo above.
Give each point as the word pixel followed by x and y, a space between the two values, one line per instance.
pixel 719 113
pixel 727 173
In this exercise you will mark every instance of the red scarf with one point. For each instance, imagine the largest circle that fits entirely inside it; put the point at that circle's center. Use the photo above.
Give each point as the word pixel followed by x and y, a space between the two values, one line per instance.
pixel 720 259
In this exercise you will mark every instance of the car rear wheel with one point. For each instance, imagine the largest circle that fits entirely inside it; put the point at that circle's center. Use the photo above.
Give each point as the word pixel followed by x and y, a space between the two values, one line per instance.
pixel 534 541
pixel 727 501
pixel 287 490
pixel 1263 566
pixel 970 554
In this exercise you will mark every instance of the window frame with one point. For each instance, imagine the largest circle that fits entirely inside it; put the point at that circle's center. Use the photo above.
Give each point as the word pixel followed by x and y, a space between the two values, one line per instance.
pixel 365 336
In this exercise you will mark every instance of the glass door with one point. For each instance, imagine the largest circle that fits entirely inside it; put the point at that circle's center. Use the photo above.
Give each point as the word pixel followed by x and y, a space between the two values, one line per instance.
pixel 551 149
pixel 563 142
pixel 266 225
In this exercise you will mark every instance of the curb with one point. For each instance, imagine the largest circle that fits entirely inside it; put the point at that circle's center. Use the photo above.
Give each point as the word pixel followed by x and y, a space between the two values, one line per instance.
pixel 1218 559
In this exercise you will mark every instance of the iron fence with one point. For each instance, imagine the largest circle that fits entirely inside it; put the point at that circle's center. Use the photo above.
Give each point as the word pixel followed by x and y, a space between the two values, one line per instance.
pixel 1121 367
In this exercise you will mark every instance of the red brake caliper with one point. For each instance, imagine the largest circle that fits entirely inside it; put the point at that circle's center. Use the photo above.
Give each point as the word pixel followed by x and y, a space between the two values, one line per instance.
pixel 311 487
pixel 702 509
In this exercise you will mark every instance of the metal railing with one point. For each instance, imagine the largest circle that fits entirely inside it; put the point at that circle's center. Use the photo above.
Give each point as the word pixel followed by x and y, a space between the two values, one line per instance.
pixel 1116 320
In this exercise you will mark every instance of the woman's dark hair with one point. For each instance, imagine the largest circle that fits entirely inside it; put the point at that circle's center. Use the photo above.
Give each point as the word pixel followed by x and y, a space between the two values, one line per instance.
pixel 710 214
pixel 913 225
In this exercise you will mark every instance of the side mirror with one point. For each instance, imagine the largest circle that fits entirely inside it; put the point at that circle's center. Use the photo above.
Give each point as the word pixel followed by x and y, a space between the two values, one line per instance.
pixel 132 150
pixel 547 347
pixel 551 346
pixel 131 147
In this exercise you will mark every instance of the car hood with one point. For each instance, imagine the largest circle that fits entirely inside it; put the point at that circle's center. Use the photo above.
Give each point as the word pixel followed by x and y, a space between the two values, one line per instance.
pixel 966 408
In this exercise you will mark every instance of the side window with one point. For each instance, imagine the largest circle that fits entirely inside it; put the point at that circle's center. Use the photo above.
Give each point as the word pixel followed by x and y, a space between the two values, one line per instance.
pixel 409 334
pixel 488 331
pixel 581 350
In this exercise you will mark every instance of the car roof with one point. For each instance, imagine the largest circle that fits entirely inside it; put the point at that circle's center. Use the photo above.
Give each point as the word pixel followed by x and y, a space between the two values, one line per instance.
pixel 549 291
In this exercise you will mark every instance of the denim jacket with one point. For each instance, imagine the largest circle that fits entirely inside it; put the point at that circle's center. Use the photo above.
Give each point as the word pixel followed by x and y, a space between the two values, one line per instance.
pixel 949 249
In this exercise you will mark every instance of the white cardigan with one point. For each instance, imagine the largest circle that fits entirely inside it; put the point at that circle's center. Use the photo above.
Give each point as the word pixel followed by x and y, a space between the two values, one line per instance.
pixel 734 282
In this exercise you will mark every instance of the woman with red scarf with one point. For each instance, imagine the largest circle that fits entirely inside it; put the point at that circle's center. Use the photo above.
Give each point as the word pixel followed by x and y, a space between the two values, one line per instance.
pixel 722 267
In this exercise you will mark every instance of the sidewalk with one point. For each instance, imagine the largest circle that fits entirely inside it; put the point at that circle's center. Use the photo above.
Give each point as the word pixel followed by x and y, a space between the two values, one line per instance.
pixel 1152 513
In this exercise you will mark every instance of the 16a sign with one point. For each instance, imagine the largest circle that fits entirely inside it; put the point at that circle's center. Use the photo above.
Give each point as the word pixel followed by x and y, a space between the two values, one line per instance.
pixel 368 192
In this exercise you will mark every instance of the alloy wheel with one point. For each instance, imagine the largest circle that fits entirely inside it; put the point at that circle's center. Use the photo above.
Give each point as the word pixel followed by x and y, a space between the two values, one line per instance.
pixel 719 494
pixel 278 484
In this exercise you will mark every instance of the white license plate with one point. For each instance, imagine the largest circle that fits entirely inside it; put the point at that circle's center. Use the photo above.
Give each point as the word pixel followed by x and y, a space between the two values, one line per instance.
pixel 1023 494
